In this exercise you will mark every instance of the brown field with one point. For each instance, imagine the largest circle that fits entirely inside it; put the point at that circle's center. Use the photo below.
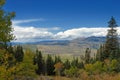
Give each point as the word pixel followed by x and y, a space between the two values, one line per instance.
pixel 66 50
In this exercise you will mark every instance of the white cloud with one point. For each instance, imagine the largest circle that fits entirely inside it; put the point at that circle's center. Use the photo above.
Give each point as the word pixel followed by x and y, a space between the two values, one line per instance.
pixel 81 32
pixel 36 34
pixel 31 33
pixel 16 22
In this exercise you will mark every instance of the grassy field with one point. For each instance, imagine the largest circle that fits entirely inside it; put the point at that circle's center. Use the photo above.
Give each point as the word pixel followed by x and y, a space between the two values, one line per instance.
pixel 64 50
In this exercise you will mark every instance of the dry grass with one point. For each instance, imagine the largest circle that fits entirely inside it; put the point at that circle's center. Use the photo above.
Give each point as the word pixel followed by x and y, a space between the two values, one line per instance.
pixel 58 49
pixel 84 76
pixel 53 78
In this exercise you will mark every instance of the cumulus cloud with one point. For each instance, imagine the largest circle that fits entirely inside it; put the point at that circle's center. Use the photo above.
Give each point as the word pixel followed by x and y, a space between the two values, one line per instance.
pixel 36 34
pixel 32 34
pixel 84 32
pixel 81 32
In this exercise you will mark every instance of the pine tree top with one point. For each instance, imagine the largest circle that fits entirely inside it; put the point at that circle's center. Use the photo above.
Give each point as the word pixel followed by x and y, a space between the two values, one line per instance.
pixel 112 23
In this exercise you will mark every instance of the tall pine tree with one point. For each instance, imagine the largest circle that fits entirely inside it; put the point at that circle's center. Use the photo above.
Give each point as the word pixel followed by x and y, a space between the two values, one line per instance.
pixel 50 65
pixel 110 50
pixel 100 53
pixel 87 55
pixel 38 59
pixel 19 54
pixel 112 45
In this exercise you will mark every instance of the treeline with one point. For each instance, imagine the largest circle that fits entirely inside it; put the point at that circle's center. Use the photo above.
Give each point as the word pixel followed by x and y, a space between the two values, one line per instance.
pixel 54 65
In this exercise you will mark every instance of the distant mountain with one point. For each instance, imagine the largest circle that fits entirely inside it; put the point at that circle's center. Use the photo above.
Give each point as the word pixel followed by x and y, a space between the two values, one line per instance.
pixel 90 39
pixel 45 42
pixel 54 42
pixel 73 47
pixel 95 39
pixel 92 42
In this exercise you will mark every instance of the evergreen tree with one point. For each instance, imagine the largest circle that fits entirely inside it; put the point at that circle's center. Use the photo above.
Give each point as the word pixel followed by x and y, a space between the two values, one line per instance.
pixel 75 62
pixel 6 29
pixel 57 59
pixel 81 65
pixel 110 50
pixel 10 49
pixel 67 64
pixel 38 59
pixel 19 54
pixel 112 45
pixel 100 53
pixel 87 55
pixel 50 65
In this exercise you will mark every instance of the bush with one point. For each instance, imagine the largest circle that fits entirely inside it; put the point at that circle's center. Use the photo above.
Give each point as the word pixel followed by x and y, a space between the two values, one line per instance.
pixel 95 68
pixel 73 71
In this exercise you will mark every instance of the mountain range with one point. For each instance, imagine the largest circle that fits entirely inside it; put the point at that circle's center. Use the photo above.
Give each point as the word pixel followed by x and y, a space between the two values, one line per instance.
pixel 92 42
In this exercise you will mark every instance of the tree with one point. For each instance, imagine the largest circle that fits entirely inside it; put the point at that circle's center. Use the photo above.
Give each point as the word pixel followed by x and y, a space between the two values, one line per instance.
pixel 114 64
pixel 72 72
pixel 19 54
pixel 94 68
pixel 57 59
pixel 6 29
pixel 87 55
pixel 100 53
pixel 38 59
pixel 67 64
pixel 58 67
pixel 81 65
pixel 112 45
pixel 50 65
pixel 75 63
pixel 10 49
pixel 110 50
pixel 7 65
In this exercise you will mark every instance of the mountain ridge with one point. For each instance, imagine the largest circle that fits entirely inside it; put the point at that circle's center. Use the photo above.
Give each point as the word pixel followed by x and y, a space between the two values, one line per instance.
pixel 92 42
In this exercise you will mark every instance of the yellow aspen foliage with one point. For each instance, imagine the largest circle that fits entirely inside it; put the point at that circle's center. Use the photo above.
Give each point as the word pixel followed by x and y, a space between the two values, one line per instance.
pixel 58 67
pixel 8 67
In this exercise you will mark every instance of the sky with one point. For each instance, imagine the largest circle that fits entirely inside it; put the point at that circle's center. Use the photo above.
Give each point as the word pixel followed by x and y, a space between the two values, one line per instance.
pixel 61 19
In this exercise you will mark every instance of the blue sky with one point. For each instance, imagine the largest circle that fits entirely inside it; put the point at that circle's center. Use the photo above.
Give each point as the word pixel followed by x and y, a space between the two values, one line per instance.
pixel 62 17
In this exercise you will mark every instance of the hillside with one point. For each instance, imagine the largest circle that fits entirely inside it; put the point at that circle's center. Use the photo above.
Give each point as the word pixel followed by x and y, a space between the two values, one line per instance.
pixel 90 42
pixel 74 47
